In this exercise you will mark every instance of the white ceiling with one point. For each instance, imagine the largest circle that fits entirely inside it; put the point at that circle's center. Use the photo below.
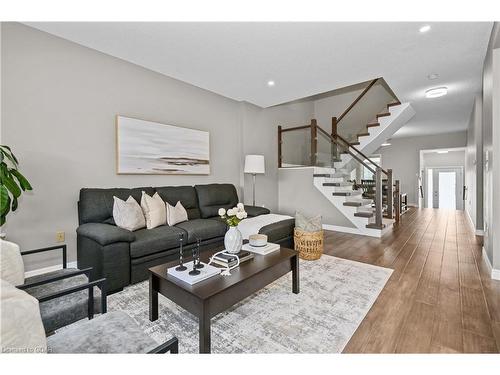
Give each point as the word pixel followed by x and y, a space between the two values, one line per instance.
pixel 237 59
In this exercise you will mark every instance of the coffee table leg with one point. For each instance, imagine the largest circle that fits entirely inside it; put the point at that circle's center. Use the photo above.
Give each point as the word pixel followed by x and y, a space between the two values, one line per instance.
pixel 295 274
pixel 153 298
pixel 204 325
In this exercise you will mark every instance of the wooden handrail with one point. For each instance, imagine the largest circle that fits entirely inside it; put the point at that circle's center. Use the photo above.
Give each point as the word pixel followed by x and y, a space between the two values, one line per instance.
pixel 295 128
pixel 355 149
pixel 363 155
pixel 357 99
pixel 348 151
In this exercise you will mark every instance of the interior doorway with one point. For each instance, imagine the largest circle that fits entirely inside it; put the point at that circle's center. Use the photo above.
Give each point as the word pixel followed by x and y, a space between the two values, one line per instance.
pixel 445 188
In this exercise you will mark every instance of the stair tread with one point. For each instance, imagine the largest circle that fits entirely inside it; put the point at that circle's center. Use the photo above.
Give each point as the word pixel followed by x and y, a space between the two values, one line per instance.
pixel 375 226
pixel 364 214
pixel 393 104
pixel 346 193
pixel 383 114
pixel 338 184
pixel 373 124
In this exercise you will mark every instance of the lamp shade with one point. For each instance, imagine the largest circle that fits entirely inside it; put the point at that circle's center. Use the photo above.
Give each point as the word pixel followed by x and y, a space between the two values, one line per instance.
pixel 255 164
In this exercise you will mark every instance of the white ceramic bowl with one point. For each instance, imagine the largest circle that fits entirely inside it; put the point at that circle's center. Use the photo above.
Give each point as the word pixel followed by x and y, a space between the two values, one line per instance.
pixel 257 240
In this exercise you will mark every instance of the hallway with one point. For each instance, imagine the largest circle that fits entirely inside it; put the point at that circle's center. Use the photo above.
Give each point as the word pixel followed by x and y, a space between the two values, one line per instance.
pixel 440 297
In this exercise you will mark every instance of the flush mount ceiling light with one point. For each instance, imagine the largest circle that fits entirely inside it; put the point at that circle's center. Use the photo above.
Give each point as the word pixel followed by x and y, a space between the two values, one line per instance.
pixel 270 83
pixel 443 152
pixel 424 28
pixel 436 92
pixel 433 76
pixel 385 144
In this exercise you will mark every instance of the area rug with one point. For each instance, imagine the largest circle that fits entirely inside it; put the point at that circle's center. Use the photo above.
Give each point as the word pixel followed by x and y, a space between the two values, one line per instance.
pixel 335 295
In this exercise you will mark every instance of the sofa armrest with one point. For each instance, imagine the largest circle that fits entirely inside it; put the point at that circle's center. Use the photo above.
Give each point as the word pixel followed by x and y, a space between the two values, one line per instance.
pixel 253 211
pixel 105 234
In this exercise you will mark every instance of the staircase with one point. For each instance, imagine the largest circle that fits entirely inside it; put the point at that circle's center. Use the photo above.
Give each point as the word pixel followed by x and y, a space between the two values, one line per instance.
pixel 334 185
pixel 334 155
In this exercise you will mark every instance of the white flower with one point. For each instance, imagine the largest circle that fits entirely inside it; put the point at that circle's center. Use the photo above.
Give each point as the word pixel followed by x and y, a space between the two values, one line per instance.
pixel 240 215
pixel 244 215
pixel 240 206
pixel 230 212
pixel 222 211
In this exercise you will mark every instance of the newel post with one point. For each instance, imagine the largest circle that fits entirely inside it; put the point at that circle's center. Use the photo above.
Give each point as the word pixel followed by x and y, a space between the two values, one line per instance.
pixel 280 141
pixel 397 201
pixel 378 198
pixel 390 195
pixel 314 142
pixel 334 136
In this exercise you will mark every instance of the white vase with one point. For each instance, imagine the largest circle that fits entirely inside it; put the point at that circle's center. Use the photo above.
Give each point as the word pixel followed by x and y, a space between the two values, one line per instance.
pixel 233 240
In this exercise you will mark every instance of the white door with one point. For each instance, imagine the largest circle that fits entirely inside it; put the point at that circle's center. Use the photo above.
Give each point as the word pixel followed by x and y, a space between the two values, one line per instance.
pixel 447 185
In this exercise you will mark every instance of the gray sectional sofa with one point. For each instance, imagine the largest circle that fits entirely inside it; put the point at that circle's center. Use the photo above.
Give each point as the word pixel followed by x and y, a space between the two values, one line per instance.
pixel 123 257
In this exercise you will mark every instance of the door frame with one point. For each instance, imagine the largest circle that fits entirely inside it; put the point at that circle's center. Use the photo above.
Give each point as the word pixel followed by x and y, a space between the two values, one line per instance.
pixel 424 183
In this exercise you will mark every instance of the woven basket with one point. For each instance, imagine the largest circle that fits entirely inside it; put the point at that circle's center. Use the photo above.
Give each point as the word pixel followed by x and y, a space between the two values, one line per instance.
pixel 308 244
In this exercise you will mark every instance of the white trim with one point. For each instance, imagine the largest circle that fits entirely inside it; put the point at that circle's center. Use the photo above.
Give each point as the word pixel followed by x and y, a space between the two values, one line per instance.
pixel 377 233
pixel 494 273
pixel 41 271
pixel 478 232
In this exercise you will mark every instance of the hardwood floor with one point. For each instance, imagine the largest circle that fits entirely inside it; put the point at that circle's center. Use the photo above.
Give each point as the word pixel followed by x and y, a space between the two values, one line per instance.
pixel 440 297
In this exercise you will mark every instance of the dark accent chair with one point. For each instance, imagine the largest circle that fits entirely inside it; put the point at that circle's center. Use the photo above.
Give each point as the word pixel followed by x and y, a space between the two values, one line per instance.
pixel 114 332
pixel 66 295
pixel 124 257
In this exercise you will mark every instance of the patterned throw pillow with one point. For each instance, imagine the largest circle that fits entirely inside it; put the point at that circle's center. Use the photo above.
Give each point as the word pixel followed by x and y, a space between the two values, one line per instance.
pixel 128 214
pixel 176 214
pixel 312 224
pixel 154 210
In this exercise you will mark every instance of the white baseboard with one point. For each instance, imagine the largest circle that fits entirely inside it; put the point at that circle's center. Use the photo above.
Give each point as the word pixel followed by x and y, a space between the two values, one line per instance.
pixel 41 271
pixel 479 232
pixel 367 232
pixel 495 274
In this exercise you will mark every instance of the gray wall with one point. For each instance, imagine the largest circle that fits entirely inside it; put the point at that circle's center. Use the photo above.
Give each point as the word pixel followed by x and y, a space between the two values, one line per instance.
pixel 403 157
pixel 490 130
pixel 59 102
pixel 474 165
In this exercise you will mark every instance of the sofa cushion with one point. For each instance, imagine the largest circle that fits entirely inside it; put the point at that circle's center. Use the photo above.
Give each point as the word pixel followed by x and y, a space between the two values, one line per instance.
pixel 211 197
pixel 96 205
pixel 105 234
pixel 114 332
pixel 203 229
pixel 11 263
pixel 185 194
pixel 150 241
pixel 21 328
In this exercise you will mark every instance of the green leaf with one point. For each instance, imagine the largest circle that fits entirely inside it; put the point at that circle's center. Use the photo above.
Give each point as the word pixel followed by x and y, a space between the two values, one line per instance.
pixel 2 220
pixel 4 201
pixel 25 185
pixel 10 152
pixel 11 157
pixel 10 184
pixel 14 204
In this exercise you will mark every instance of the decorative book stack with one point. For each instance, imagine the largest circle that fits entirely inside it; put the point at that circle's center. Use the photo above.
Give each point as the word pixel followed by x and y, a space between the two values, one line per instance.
pixel 230 260
pixel 262 250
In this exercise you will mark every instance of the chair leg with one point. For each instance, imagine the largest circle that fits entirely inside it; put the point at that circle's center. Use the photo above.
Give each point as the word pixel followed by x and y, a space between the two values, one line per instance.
pixel 104 297
pixel 91 303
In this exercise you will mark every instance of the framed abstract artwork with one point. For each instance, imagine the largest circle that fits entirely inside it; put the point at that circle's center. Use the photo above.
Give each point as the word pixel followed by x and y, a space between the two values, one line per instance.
pixel 147 147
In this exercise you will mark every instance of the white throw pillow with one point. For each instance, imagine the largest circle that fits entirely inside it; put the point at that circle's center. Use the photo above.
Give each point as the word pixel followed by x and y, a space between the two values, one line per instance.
pixel 176 214
pixel 154 210
pixel 11 263
pixel 21 327
pixel 128 214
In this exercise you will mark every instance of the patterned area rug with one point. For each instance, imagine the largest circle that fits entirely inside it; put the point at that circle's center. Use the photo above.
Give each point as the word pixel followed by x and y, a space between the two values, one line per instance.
pixel 335 295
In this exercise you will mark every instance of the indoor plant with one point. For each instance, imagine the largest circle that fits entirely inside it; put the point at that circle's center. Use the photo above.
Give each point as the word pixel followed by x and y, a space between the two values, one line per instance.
pixel 12 182
pixel 233 239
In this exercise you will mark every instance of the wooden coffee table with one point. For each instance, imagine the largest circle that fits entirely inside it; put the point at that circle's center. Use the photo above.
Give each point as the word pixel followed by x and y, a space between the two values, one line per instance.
pixel 215 295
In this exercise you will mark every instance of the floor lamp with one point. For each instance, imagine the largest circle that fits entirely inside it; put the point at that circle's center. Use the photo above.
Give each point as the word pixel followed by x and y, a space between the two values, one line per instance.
pixel 254 165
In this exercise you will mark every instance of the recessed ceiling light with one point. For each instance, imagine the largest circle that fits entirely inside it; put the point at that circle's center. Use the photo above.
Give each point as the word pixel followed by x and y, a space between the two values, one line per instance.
pixel 436 92
pixel 433 76
pixel 385 144
pixel 270 83
pixel 443 152
pixel 424 29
